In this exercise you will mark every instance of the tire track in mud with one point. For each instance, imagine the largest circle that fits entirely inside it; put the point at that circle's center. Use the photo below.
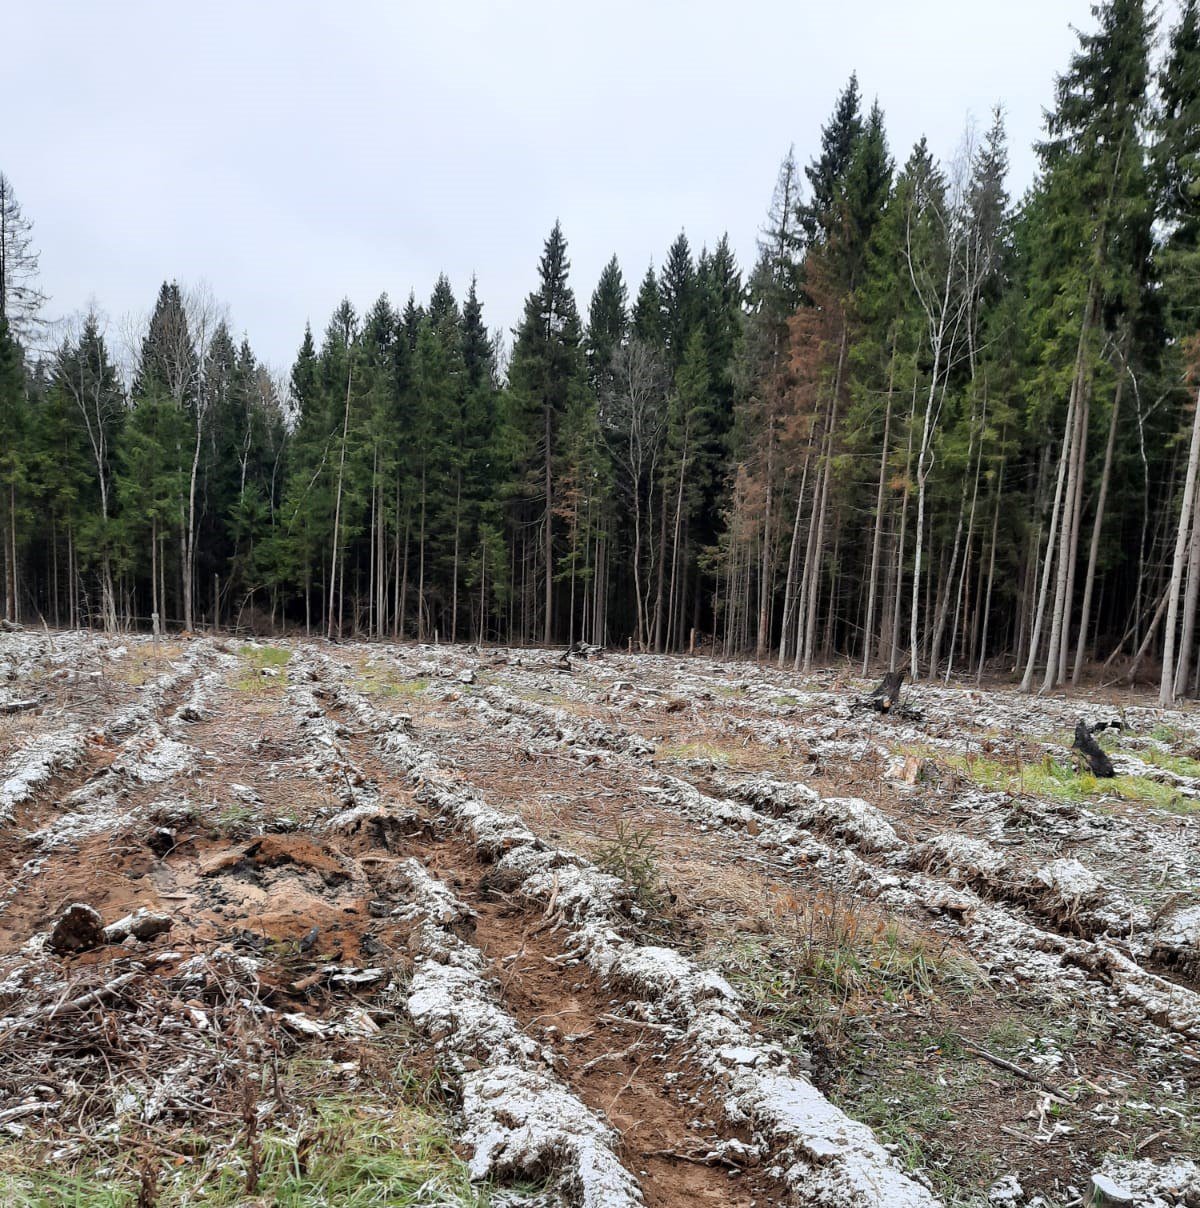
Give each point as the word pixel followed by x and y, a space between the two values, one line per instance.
pixel 674 1147
pixel 635 1035
pixel 1063 893
pixel 592 1042
pixel 63 790
pixel 521 1118
pixel 863 849
pixel 74 680
pixel 820 1156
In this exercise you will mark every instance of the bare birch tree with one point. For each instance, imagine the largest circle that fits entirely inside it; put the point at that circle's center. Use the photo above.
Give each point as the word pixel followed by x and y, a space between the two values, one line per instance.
pixel 634 419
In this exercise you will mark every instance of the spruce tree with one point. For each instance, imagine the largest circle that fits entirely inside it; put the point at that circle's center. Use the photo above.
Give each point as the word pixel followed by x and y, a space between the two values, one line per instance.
pixel 20 298
pixel 84 381
pixel 545 376
pixel 608 325
pixel 648 311
pixel 16 424
pixel 1087 266
pixel 1176 168
pixel 679 296
pixel 826 172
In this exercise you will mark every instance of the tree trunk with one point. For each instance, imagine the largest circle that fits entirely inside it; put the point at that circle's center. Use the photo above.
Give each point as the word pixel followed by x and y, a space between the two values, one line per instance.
pixel 899 602
pixel 1085 614
pixel 549 534
pixel 337 510
pixel 1166 690
pixel 1043 591
pixel 987 599
pixel 1190 595
pixel 877 539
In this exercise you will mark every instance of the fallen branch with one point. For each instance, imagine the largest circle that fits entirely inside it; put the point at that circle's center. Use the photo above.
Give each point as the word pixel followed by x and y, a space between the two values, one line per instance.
pixel 712 1158
pixel 1011 1066
pixel 92 998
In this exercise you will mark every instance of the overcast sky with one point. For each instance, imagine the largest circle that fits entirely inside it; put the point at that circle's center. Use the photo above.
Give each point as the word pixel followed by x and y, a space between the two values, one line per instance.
pixel 291 153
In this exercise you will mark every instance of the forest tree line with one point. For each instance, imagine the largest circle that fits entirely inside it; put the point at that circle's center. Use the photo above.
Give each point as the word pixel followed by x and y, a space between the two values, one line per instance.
pixel 931 425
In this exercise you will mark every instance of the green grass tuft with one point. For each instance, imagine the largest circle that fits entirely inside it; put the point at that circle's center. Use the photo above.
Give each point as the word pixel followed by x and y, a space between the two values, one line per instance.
pixel 825 962
pixel 265 668
pixel 1181 765
pixel 1060 782
pixel 374 682
pixel 345 1152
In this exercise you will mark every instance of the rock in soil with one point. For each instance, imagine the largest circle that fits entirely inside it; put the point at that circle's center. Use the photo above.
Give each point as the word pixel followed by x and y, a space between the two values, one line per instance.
pixel 1106 1193
pixel 79 929
pixel 1006 1192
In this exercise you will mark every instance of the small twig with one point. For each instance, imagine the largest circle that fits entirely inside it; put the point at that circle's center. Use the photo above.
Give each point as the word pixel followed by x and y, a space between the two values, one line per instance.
pixel 91 998
pixel 595 1061
pixel 709 1159
pixel 637 1069
pixel 1012 1067
pixel 637 1023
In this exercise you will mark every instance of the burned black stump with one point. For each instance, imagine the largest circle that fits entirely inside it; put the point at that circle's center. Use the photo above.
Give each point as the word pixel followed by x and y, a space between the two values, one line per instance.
pixel 1092 752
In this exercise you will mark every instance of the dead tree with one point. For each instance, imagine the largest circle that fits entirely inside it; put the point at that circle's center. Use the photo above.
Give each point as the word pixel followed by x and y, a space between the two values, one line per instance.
pixel 1090 749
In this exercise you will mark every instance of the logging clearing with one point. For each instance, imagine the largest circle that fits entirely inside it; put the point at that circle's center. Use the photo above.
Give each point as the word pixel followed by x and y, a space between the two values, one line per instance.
pixel 649 930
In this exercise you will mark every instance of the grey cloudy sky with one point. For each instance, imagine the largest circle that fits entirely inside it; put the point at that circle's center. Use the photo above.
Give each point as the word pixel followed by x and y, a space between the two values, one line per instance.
pixel 292 153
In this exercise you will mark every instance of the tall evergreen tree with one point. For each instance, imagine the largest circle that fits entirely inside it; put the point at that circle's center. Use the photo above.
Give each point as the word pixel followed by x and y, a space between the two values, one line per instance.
pixel 608 325
pixel 15 423
pixel 1087 264
pixel 826 172
pixel 648 310
pixel 21 299
pixel 545 376
pixel 679 297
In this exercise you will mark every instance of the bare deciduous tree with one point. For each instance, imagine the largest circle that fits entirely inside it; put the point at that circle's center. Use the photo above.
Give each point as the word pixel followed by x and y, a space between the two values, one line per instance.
pixel 634 417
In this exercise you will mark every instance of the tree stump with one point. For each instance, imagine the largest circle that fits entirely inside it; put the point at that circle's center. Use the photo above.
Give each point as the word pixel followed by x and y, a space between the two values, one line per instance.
pixel 1090 749
pixel 886 696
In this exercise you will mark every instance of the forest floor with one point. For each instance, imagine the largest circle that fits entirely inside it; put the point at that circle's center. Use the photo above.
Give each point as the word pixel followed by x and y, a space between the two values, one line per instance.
pixel 375 924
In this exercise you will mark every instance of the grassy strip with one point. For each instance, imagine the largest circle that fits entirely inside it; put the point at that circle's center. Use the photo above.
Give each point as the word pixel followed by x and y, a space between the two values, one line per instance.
pixel 1059 782
pixel 266 668
pixel 345 1150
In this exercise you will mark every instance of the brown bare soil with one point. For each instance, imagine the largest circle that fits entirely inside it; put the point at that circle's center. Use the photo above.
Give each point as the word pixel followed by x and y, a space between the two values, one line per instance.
pixel 972 1016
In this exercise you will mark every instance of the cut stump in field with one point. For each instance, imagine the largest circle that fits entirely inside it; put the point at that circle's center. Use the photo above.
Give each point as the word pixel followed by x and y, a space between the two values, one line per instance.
pixel 886 697
pixel 1098 762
